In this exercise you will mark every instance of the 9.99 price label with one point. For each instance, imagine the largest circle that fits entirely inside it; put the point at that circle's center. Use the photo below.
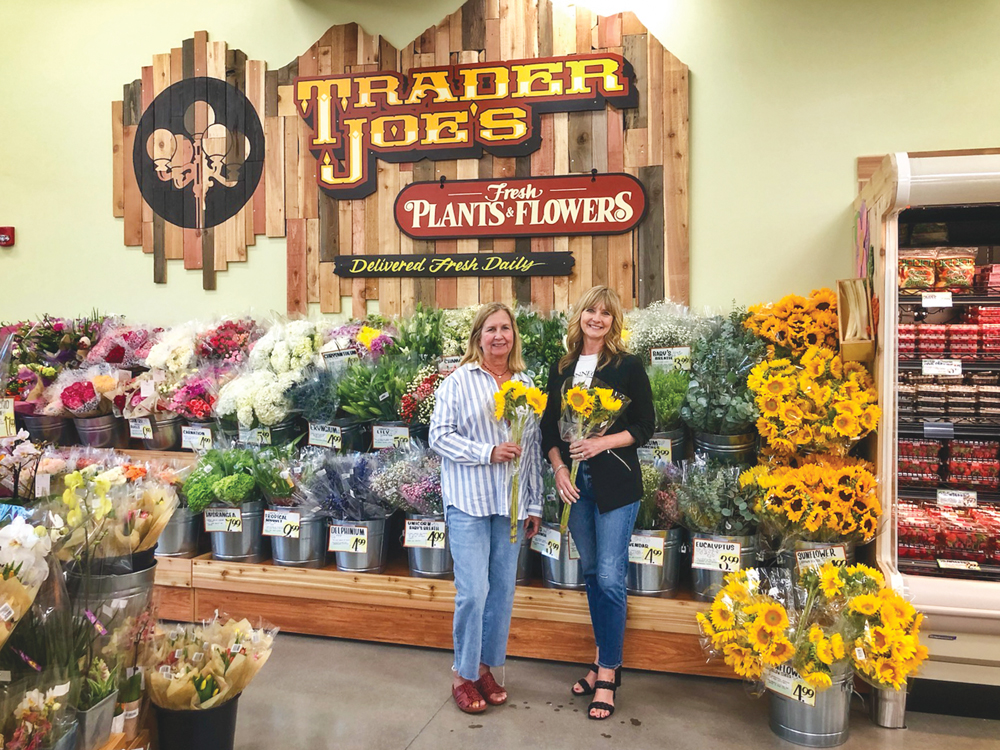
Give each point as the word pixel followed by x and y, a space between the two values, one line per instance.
pixel 785 681
pixel 426 534
pixel 646 550
pixel 716 555
pixel 283 523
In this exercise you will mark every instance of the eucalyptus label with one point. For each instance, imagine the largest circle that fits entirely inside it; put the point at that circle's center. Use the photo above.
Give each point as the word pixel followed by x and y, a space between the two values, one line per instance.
pixel 816 558
pixel 548 542
pixel 325 436
pixel 228 520
pixel 283 523
pixel 348 539
pixel 258 436
pixel 646 550
pixel 196 438
pixel 785 681
pixel 7 426
pixel 390 436
pixel 140 428
pixel 423 533
pixel 671 357
pixel 715 555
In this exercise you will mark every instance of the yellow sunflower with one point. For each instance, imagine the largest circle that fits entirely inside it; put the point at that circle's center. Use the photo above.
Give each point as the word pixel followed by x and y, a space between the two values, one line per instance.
pixel 830 582
pixel 769 405
pixel 579 400
pixel 865 604
pixel 818 680
pixel 815 634
pixel 608 400
pixel 758 635
pixel 722 615
pixel 869 418
pixel 824 652
pixel 780 651
pixel 774 617
pixel 537 400
pixel 845 425
pixel 837 644
pixel 777 386
pixel 501 405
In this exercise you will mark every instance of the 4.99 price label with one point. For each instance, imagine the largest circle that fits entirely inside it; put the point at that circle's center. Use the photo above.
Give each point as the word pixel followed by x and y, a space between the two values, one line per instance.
pixel 426 534
pixel 785 681
pixel 646 550
pixel 714 555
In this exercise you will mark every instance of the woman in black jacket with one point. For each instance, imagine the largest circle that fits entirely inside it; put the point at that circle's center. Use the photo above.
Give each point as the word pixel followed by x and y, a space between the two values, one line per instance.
pixel 609 483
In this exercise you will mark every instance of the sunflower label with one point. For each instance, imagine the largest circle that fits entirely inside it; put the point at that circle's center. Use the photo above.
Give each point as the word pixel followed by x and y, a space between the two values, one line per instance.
pixel 348 539
pixel 941 367
pixel 784 680
pixel 671 357
pixel 140 428
pixel 325 436
pixel 958 565
pixel 646 550
pixel 574 553
pixel 958 498
pixel 196 438
pixel 806 559
pixel 423 533
pixel 7 426
pixel 714 555
pixel 859 654
pixel 936 299
pixel 390 436
pixel 548 542
pixel 283 523
pixel 448 365
pixel 227 520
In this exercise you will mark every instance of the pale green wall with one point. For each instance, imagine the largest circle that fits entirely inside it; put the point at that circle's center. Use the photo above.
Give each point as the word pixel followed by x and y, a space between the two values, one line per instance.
pixel 785 94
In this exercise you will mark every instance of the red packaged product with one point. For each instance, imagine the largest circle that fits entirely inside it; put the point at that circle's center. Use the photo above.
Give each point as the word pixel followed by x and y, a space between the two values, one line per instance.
pixel 968 449
pixel 955 267
pixel 920 448
pixel 965 482
pixel 915 465
pixel 974 467
pixel 920 479
pixel 963 538
pixel 917 268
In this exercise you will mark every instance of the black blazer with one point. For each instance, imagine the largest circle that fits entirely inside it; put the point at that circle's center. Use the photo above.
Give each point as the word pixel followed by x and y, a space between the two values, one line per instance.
pixel 616 484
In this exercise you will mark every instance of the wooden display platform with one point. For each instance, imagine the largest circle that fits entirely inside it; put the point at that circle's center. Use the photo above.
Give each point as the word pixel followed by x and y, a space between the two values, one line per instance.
pixel 393 607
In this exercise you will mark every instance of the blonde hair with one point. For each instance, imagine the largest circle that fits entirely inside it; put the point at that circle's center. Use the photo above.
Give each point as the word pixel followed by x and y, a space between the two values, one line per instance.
pixel 614 348
pixel 473 353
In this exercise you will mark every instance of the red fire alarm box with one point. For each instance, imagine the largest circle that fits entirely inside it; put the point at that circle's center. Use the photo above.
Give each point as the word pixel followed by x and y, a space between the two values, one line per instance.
pixel 6 236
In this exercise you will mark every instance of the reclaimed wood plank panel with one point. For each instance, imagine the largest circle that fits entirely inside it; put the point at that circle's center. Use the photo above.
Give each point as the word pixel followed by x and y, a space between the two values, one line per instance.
pixel 117 161
pixel 235 72
pixel 599 262
pixel 635 49
pixel 636 150
pixel 675 178
pixel 486 283
pixel 446 290
pixel 424 289
pixel 297 271
pixel 132 198
pixel 454 23
pixel 329 289
pixel 652 96
pixel 560 153
pixel 208 277
pixel 159 250
pixel 544 28
pixel 147 237
pixel 581 156
pixel 582 277
pixel 650 252
pixel 503 286
pixel 206 237
pixel 292 208
pixel 609 31
pixel 616 140
pixel 522 245
pixel 467 287
pixel 159 82
pixel 308 187
pixel 599 141
pixel 346 223
pixel 631 24
pixel 371 235
pixel 271 93
pixel 407 286
pixel 146 99
pixel 474 25
pixel 493 8
pixel 584 30
pixel 492 40
pixel 359 309
pixel 389 288
pixel 256 71
pixel 274 168
pixel 312 261
pixel 621 267
pixel 388 56
pixel 508 29
pixel 542 162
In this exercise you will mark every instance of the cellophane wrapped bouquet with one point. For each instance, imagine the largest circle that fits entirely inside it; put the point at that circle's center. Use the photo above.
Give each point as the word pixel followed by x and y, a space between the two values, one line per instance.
pixel 408 477
pixel 87 392
pixel 341 485
pixel 520 406
pixel 122 345
pixel 24 551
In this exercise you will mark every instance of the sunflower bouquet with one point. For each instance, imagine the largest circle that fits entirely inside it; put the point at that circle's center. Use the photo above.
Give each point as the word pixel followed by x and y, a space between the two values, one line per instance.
pixel 794 323
pixel 519 405
pixel 586 413
pixel 820 404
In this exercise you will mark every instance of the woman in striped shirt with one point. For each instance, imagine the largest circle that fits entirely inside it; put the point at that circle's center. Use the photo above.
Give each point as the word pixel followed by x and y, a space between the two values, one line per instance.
pixel 476 472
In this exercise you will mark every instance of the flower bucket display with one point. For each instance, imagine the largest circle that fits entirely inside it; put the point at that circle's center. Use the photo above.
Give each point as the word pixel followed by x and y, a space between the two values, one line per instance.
pixel 524 558
pixel 132 593
pixel 166 432
pixel 359 546
pixel 823 723
pixel 298 537
pixel 237 534
pixel 714 556
pixel 650 574
pixel 107 431
pixel 181 535
pixel 561 568
pixel 205 729
pixel 54 430
pixel 94 724
pixel 731 449
pixel 428 551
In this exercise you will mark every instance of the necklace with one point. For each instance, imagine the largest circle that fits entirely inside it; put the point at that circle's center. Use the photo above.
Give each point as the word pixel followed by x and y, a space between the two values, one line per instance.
pixel 498 375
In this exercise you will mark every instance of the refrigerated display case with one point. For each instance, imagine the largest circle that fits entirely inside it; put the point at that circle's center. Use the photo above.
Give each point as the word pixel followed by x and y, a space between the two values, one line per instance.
pixel 928 240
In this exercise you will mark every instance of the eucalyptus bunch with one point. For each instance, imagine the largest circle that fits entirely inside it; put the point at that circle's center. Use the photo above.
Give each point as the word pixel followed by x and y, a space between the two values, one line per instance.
pixel 711 500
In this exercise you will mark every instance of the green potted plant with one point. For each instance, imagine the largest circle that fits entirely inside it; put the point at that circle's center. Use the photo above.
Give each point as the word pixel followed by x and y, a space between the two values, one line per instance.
pixel 96 705
pixel 654 553
pixel 669 389
pixel 374 391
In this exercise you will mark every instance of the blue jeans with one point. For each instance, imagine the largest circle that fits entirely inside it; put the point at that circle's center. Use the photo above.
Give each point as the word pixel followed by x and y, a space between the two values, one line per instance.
pixel 602 540
pixel 485 575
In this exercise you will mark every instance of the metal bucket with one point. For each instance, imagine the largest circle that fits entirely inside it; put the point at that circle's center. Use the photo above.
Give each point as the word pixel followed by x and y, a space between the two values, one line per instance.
pixel 246 545
pixel 166 433
pixel 658 580
pixel 101 432
pixel 562 573
pixel 524 561
pixel 112 598
pixel 180 535
pixel 822 725
pixel 371 561
pixel 57 430
pixel 888 708
pixel 356 437
pixel 427 562
pixel 678 443
pixel 708 582
pixel 731 449
pixel 287 431
pixel 94 724
pixel 309 550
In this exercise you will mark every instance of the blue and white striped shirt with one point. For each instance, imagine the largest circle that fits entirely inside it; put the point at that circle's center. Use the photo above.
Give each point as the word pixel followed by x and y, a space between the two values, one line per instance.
pixel 464 432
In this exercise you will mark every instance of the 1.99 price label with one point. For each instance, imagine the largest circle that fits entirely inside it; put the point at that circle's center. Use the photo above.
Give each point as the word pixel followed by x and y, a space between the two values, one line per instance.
pixel 348 539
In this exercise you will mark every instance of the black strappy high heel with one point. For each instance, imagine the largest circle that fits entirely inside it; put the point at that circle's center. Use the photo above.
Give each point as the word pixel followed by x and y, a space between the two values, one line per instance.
pixel 586 689
pixel 601 705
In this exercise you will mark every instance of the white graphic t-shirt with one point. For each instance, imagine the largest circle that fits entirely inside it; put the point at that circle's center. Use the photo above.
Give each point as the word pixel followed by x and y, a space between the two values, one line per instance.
pixel 585 368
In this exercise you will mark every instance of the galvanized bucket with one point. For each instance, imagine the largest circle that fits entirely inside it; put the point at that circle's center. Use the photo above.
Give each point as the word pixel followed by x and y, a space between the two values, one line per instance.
pixel 888 708
pixel 678 442
pixel 731 449
pixel 371 561
pixel 287 430
pixel 524 561
pixel 94 724
pixel 246 545
pixel 101 432
pixel 166 433
pixel 180 535
pixel 822 725
pixel 430 562
pixel 563 573
pixel 708 582
pixel 309 550
pixel 57 430
pixel 355 436
pixel 113 598
pixel 658 580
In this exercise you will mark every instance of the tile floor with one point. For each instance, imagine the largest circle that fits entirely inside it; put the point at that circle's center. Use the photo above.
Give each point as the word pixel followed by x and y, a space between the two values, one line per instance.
pixel 318 693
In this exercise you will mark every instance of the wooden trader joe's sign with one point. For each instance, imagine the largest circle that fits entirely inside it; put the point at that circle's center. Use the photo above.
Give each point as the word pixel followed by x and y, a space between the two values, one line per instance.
pixel 212 149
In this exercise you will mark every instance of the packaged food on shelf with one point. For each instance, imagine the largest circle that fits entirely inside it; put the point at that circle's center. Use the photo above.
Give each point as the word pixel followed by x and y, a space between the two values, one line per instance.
pixel 970 482
pixel 917 532
pixel 955 267
pixel 917 268
pixel 964 537
pixel 920 448
pixel 919 479
pixel 974 467
pixel 918 465
pixel 973 449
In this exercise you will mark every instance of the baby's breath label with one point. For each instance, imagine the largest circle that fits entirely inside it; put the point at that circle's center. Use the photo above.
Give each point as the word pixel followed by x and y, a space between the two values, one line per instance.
pixel 325 435
pixel 389 436
pixel 348 539
pixel 228 520
pixel 423 533
pixel 816 558
pixel 283 523
pixel 646 550
pixel 548 542
pixel 671 357
pixel 785 681
pixel 710 554
pixel 140 428
pixel 7 426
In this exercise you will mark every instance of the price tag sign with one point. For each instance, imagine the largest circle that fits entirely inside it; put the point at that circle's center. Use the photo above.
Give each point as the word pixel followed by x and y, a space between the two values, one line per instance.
pixel 785 681
pixel 325 436
pixel 390 436
pixel 548 542
pixel 574 553
pixel 5 675
pixel 958 498
pixel 228 520
pixel 140 428
pixel 448 365
pixel 348 539
pixel 7 426
pixel 958 565
pixel 646 550
pixel 147 388
pixel 671 358
pixel 426 534
pixel 661 448
pixel 6 612
pixel 43 485
pixel 935 299
pixel 283 523
pixel 196 438
pixel 941 366
pixel 337 359
pixel 258 436
pixel 816 558
pixel 713 555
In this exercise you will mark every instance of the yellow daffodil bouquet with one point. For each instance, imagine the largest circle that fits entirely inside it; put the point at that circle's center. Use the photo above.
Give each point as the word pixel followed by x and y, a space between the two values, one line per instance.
pixel 586 413
pixel 819 404
pixel 823 499
pixel 518 405
pixel 794 323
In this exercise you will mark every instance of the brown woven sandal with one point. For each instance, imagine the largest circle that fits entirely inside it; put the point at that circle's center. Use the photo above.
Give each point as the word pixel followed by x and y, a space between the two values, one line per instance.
pixel 465 695
pixel 488 686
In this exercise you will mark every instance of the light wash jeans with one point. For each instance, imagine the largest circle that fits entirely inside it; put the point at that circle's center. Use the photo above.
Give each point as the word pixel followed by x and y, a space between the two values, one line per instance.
pixel 485 575
pixel 602 541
